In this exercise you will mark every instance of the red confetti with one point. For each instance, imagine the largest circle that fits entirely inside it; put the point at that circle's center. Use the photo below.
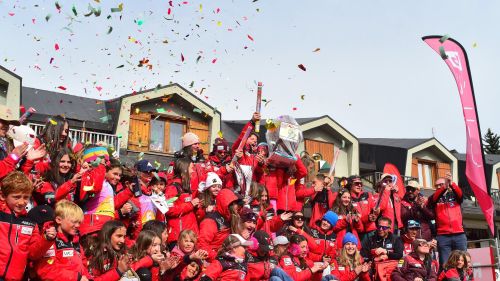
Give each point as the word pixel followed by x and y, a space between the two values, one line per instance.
pixel 169 11
pixel 182 57
pixel 250 37
pixel 51 60
pixel 56 46
pixel 22 109
pixel 33 20
pixel 185 2
pixel 294 108
pixel 214 60
pixel 218 10
pixel 301 66
pixel 62 88
pixel 171 3
pixel 11 14
pixel 99 88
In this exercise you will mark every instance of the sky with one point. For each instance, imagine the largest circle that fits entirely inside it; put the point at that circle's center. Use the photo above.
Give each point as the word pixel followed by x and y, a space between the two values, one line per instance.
pixel 365 63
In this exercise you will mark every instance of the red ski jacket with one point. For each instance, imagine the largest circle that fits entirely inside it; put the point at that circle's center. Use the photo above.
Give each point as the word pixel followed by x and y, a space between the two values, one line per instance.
pixel 63 261
pixel 365 203
pixel 217 225
pixel 346 273
pixel 20 240
pixel 181 214
pixel 446 205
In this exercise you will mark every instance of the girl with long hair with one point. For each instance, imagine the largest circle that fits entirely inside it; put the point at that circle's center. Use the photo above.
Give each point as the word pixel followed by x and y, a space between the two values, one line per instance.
pixel 181 213
pixel 267 218
pixel 349 265
pixel 208 191
pixel 106 255
pixel 217 225
pixel 349 217
pixel 55 134
pixel 187 252
pixel 296 225
pixel 147 245
pixel 455 268
pixel 61 180
pixel 296 263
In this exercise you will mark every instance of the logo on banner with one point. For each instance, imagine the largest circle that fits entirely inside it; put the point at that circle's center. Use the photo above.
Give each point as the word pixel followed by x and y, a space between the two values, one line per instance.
pixel 454 59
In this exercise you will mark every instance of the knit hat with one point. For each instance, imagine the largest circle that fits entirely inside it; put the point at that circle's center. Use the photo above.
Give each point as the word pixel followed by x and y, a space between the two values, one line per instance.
pixel 91 154
pixel 212 178
pixel 144 166
pixel 247 214
pixel 331 218
pixel 189 138
pixel 41 214
pixel 220 144
pixel 349 237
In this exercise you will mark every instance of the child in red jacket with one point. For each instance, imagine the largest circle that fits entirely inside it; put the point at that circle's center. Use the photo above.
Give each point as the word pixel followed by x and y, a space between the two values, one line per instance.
pixel 19 236
pixel 63 261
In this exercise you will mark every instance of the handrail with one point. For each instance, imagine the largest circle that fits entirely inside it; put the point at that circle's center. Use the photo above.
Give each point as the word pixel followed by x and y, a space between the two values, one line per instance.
pixel 84 136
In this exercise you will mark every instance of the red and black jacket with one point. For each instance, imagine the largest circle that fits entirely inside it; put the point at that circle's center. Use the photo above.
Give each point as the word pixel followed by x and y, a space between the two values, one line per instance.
pixel 63 261
pixel 346 273
pixel 20 240
pixel 446 205
pixel 216 226
pixel 365 203
pixel 452 274
pixel 226 268
pixel 411 267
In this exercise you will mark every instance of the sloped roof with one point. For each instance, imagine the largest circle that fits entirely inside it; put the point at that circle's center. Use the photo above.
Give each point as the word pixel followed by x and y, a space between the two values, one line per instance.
pixel 490 159
pixel 97 114
pixel 399 143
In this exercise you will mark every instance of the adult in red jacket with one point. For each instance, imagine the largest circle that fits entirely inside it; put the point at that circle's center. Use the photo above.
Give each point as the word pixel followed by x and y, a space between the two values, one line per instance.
pixel 414 207
pixel 365 203
pixel 230 264
pixel 296 262
pixel 181 213
pixel 219 162
pixel 390 202
pixel 349 265
pixel 446 204
pixel 416 266
pixel 216 226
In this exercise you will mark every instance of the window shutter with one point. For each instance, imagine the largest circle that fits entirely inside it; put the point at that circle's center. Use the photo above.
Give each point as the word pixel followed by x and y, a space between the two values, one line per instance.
pixel 324 148
pixel 138 135
pixel 200 128
pixel 498 177
pixel 442 169
pixel 414 168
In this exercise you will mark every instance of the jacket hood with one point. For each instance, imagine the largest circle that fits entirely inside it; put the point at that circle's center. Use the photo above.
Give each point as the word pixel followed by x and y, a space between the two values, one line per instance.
pixel 223 200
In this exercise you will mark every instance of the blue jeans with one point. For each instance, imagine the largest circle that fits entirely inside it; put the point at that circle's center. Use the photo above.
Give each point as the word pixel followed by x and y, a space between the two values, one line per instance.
pixel 448 243
pixel 329 277
pixel 278 274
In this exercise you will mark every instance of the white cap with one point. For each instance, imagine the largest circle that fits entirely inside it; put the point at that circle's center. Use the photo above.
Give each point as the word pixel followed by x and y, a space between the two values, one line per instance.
pixel 280 240
pixel 22 134
pixel 212 178
pixel 242 241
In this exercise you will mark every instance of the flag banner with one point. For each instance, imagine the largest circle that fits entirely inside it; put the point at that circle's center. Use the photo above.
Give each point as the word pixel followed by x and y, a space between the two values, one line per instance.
pixel 455 57
pixel 390 168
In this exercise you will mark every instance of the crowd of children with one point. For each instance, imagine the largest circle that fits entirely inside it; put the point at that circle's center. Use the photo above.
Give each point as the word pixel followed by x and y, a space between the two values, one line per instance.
pixel 78 213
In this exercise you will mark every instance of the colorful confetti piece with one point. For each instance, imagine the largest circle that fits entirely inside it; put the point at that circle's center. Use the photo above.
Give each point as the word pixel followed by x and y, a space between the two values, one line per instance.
pixel 302 67
pixel 62 88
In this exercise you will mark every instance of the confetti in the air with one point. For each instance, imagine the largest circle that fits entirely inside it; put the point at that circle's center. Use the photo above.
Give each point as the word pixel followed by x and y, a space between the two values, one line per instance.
pixel 302 67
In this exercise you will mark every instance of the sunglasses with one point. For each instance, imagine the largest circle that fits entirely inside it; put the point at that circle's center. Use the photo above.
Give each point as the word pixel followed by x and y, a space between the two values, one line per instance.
pixel 411 189
pixel 423 244
pixel 357 183
pixel 387 181
pixel 383 227
pixel 439 184
pixel 298 218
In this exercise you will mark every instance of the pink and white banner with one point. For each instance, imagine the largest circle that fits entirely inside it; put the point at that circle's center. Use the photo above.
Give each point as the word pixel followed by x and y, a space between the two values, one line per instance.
pixel 455 57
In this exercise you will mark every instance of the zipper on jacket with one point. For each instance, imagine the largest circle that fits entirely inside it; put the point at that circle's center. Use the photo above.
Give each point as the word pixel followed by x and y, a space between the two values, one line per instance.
pixel 17 236
pixel 11 249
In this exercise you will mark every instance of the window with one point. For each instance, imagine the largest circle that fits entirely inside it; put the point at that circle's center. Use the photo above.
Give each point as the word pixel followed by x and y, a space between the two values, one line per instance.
pixel 3 92
pixel 166 135
pixel 426 173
